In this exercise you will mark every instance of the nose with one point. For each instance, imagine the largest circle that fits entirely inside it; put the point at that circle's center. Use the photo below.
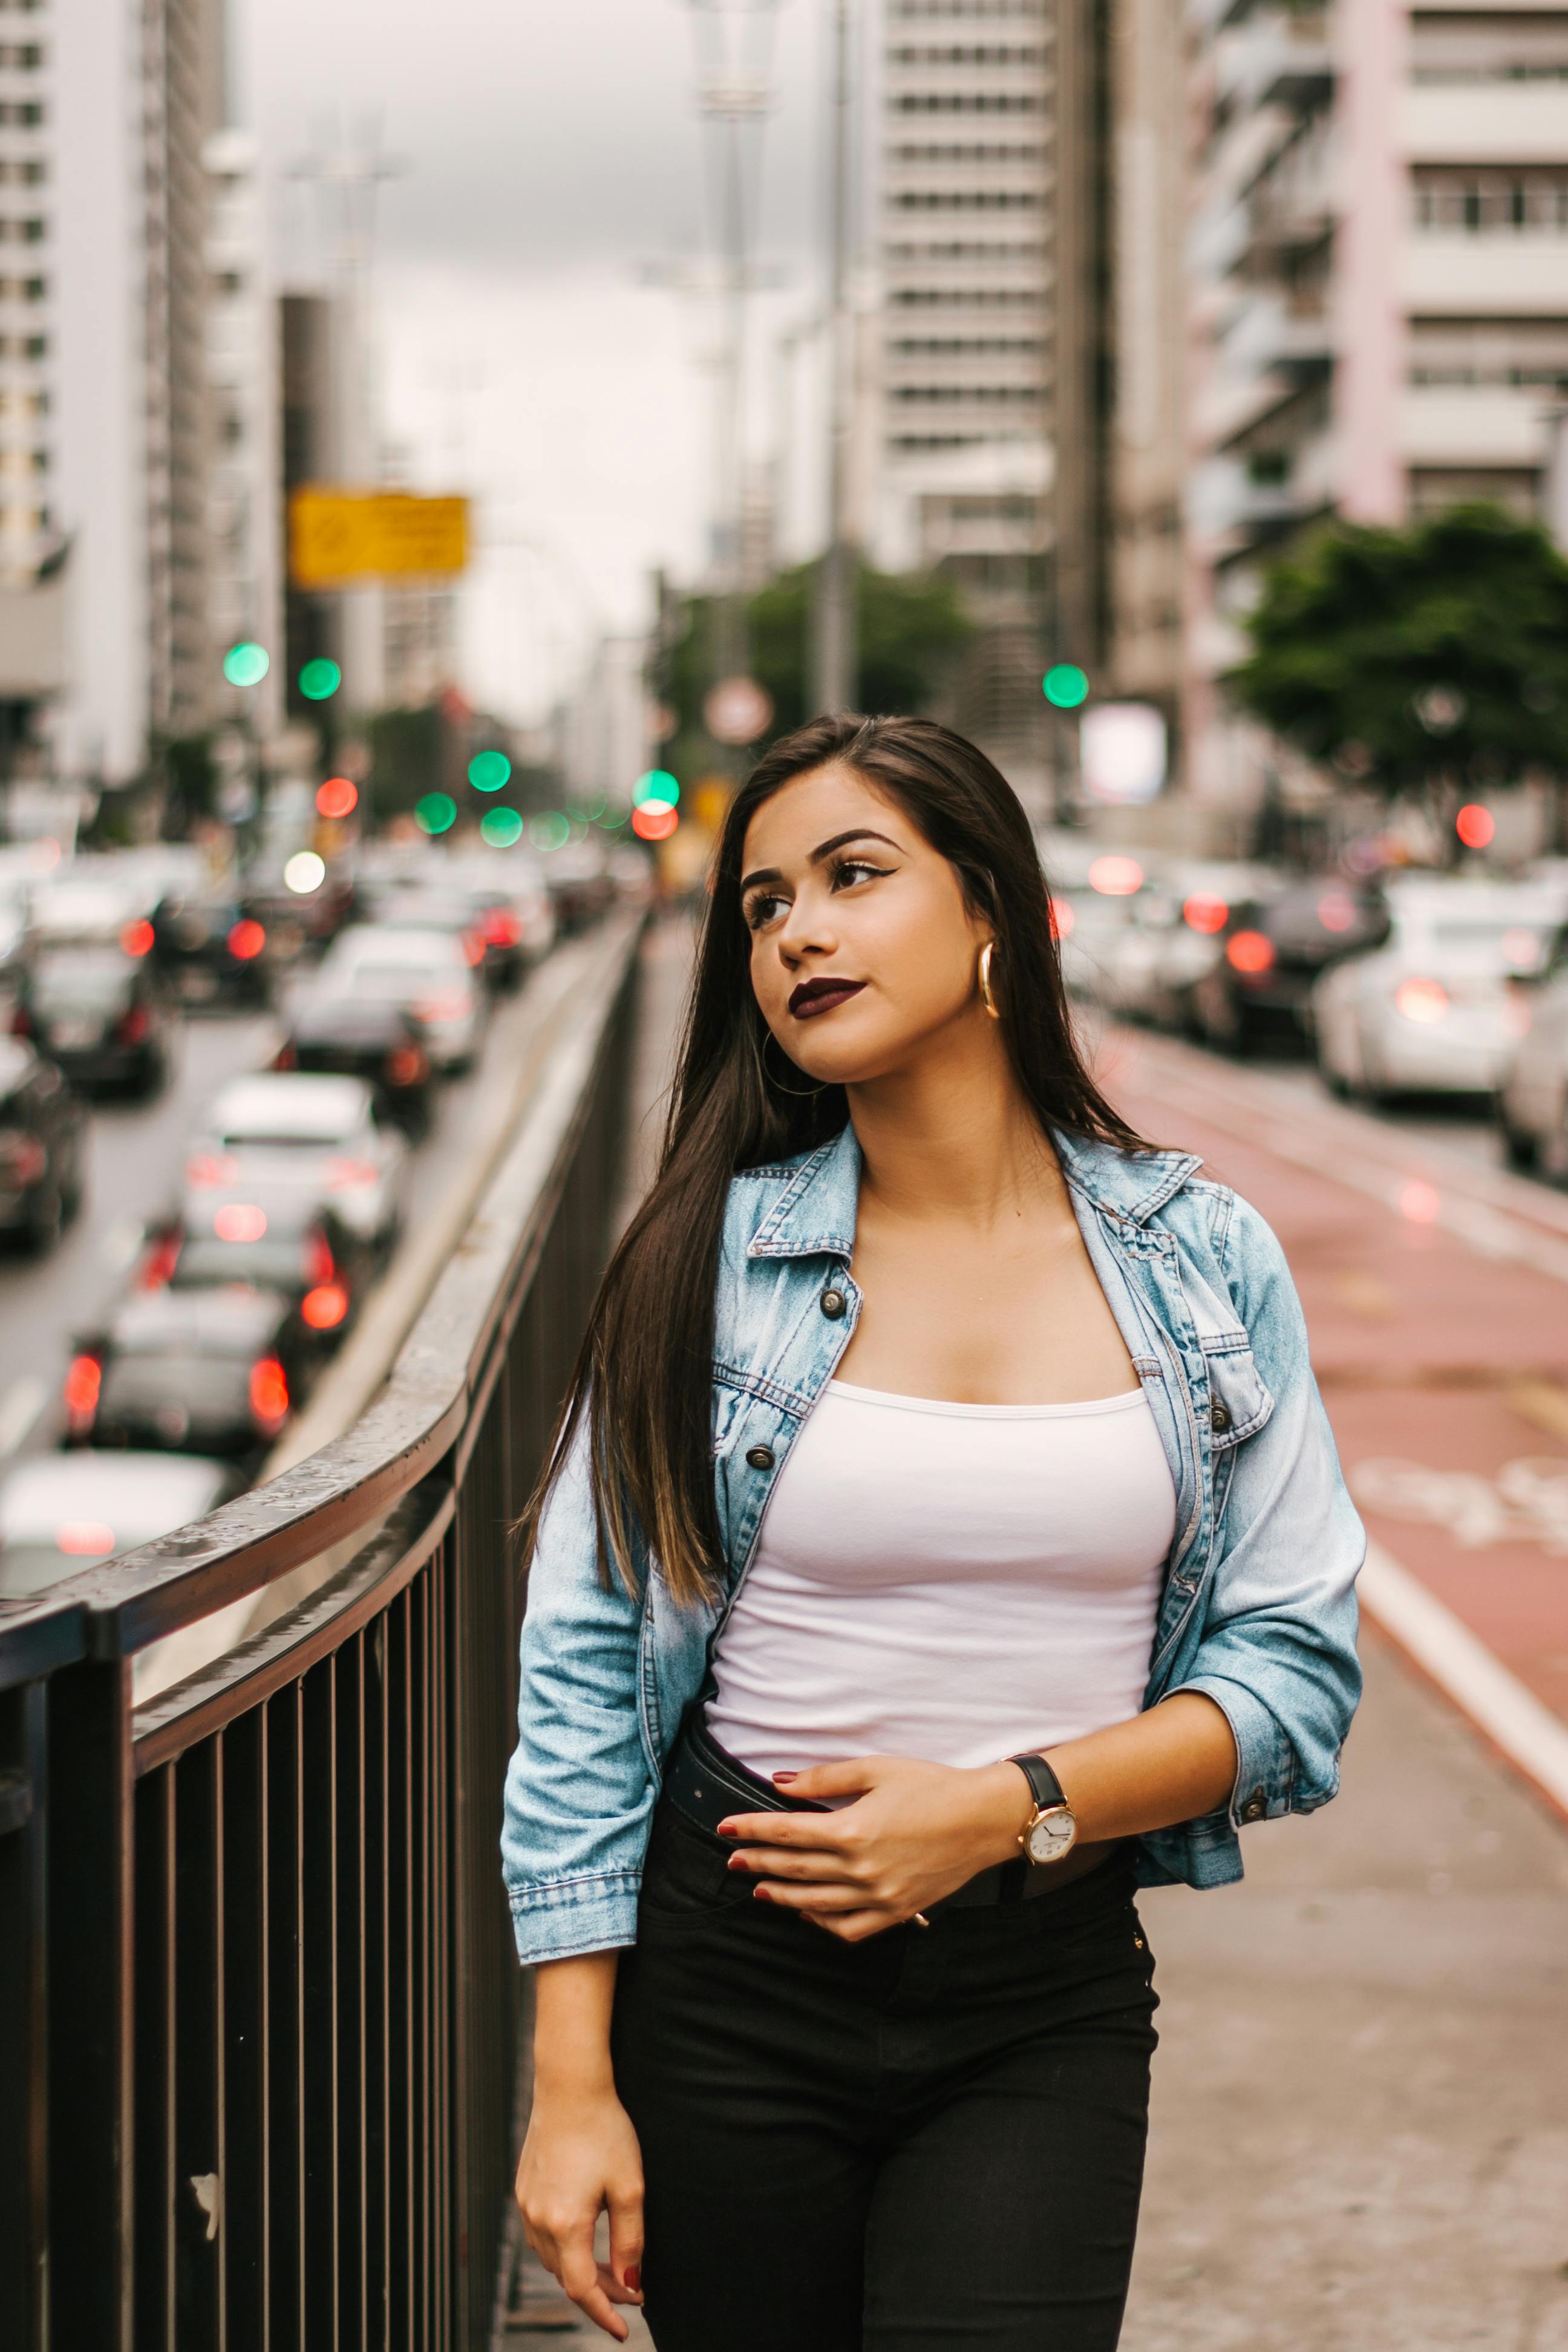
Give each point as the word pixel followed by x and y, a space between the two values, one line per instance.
pixel 808 928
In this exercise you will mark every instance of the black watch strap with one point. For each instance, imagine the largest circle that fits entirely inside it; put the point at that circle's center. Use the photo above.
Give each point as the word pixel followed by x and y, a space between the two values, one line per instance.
pixel 1047 1790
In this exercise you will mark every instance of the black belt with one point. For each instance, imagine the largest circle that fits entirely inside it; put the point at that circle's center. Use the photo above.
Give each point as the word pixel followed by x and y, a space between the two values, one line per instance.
pixel 708 1785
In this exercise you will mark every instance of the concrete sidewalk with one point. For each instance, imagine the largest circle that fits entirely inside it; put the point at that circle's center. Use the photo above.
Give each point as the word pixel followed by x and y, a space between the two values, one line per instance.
pixel 1360 2101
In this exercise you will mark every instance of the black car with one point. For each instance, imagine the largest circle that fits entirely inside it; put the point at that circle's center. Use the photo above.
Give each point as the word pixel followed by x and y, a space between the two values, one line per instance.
pixel 293 920
pixel 268 1240
pixel 104 1015
pixel 41 1143
pixel 210 951
pixel 1273 953
pixel 356 1038
pixel 209 1371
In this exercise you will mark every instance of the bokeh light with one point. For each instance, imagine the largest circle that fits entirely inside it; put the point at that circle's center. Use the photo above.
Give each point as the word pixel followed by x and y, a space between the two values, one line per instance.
pixel 305 872
pixel 1475 825
pixel 1250 952
pixel 488 770
pixel 1064 685
pixel 320 680
pixel 240 1221
pixel 1206 915
pixel 1420 1201
pixel 246 663
pixel 550 830
pixel 1116 877
pixel 137 938
pixel 659 787
pixel 654 820
pixel 337 797
pixel 1422 1000
pixel 246 940
pixel 436 812
pixel 501 827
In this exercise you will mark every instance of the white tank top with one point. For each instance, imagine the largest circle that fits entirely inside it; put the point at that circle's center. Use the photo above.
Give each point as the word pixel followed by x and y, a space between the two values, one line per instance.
pixel 960 1582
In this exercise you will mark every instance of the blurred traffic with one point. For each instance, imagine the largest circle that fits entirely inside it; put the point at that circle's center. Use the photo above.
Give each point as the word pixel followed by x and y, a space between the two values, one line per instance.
pixel 227 1093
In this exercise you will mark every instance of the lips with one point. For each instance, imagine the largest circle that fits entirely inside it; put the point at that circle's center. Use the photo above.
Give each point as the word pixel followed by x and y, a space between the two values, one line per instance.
pixel 815 996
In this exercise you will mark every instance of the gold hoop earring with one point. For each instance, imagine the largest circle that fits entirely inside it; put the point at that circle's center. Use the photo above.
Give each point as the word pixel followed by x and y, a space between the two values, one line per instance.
pixel 802 1094
pixel 986 952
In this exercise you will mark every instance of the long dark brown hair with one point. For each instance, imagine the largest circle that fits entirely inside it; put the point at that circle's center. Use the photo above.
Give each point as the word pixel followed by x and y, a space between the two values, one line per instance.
pixel 644 1375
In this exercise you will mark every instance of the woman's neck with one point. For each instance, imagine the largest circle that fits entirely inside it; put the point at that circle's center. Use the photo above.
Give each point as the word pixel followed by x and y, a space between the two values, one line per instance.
pixel 953 1140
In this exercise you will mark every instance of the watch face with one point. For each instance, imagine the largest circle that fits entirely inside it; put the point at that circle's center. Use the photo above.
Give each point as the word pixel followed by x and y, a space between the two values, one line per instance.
pixel 1052 1835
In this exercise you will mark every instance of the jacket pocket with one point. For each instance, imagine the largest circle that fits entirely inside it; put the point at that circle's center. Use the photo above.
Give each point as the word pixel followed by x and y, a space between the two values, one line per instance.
pixel 1239 1405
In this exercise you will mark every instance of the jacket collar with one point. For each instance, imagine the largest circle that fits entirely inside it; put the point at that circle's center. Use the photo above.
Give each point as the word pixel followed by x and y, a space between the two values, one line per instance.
pixel 814 1215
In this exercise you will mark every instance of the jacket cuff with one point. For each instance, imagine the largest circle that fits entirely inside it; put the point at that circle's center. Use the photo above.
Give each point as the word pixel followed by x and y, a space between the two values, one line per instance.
pixel 1261 1791
pixel 574 1916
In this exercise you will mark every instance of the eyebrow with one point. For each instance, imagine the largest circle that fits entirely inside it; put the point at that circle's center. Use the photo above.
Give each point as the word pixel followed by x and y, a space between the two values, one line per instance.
pixel 824 849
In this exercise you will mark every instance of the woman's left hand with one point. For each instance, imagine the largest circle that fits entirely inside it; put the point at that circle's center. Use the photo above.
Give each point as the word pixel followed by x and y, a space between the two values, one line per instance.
pixel 915 1833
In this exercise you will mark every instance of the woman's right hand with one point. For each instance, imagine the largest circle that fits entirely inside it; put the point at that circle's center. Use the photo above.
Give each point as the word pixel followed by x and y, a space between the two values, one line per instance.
pixel 580 2157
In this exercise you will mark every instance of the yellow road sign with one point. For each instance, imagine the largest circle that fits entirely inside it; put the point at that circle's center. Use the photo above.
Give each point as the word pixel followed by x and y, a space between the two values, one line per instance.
pixel 341 535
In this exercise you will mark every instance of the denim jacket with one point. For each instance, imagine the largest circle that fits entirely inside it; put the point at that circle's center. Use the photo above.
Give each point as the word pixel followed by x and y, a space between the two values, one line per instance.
pixel 1258 1604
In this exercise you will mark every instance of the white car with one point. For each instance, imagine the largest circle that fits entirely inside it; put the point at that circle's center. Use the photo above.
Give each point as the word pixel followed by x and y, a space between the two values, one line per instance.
pixel 61 1513
pixel 425 971
pixel 1438 1009
pixel 1532 1100
pixel 314 1132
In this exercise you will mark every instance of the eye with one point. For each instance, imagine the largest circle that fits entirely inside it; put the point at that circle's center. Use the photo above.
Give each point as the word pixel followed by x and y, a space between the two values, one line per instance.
pixel 850 870
pixel 761 909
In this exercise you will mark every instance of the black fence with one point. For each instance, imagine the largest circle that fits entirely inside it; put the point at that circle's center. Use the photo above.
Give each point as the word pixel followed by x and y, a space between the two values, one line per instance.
pixel 258 2022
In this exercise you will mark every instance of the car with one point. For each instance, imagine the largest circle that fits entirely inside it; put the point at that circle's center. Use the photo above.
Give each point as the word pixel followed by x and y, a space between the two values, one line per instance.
pixel 210 951
pixel 580 882
pixel 1533 1098
pixel 1273 952
pixel 1440 1008
pixel 100 1012
pixel 42 1144
pixel 509 876
pixel 402 906
pixel 313 1134
pixel 1104 920
pixel 60 1513
pixel 211 1371
pixel 284 1241
pixel 295 920
pixel 422 972
pixel 381 1044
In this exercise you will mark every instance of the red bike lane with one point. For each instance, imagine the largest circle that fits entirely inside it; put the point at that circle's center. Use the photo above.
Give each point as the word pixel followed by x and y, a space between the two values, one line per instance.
pixel 1437 1299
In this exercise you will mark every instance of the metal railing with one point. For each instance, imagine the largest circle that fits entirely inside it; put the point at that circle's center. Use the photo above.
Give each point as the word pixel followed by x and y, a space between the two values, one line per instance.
pixel 258 1995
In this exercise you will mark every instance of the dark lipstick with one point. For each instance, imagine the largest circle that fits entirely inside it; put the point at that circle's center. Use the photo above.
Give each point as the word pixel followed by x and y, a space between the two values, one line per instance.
pixel 815 996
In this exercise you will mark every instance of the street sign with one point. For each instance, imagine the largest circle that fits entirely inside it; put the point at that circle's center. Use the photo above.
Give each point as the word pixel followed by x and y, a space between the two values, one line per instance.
pixel 338 536
pixel 738 711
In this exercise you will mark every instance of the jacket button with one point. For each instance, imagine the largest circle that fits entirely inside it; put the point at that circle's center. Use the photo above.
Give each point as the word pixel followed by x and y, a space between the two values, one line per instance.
pixel 833 1303
pixel 1255 1808
pixel 760 1457
pixel 1219 1419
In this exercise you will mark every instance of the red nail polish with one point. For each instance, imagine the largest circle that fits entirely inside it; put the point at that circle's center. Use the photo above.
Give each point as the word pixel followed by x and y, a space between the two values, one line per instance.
pixel 728 1829
pixel 634 2277
pixel 761 1894
pixel 786 1776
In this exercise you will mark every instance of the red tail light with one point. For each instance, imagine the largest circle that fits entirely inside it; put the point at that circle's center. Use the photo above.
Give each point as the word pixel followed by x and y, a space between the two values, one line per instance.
pixel 1206 915
pixel 206 1168
pixel 23 1158
pixel 319 1262
pixel 286 1059
pixel 1250 953
pixel 343 1175
pixel 137 938
pixel 132 1028
pixel 406 1066
pixel 159 1263
pixel 324 1307
pixel 268 1390
pixel 83 1383
pixel 246 941
pixel 501 929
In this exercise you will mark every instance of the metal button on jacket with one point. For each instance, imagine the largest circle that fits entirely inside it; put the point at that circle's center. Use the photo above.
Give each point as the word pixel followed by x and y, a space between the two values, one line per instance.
pixel 833 1303
pixel 1219 1419
pixel 760 1457
pixel 1255 1808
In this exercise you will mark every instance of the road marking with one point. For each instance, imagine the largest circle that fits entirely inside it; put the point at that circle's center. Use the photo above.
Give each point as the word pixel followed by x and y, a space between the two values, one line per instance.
pixel 19 1409
pixel 1533 1739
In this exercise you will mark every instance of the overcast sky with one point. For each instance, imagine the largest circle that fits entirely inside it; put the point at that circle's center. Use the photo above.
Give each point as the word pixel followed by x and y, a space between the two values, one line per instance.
pixel 546 152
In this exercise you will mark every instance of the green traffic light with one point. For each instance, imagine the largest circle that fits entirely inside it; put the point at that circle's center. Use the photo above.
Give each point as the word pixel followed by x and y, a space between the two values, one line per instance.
pixel 435 813
pixel 320 679
pixel 246 663
pixel 1065 686
pixel 488 770
pixel 501 827
pixel 659 785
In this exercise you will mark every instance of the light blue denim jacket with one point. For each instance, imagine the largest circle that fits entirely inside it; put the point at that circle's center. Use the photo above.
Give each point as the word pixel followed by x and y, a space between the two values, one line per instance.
pixel 1258 1608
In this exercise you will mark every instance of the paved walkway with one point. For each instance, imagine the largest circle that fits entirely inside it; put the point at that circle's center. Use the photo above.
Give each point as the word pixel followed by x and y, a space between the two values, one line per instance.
pixel 1360 2102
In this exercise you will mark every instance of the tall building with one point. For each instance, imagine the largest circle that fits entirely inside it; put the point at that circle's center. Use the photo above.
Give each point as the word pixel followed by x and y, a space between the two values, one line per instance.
pixel 1381 284
pixel 242 364
pixel 105 416
pixel 964 219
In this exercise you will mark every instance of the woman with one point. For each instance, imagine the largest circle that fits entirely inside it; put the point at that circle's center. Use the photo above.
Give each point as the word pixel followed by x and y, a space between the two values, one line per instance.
pixel 942 1536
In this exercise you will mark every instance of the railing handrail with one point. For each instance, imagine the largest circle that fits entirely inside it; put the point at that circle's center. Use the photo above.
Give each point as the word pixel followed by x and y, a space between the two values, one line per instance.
pixel 350 1484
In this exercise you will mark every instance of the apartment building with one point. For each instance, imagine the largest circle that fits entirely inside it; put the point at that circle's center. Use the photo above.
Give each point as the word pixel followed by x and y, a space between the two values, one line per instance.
pixel 244 380
pixel 964 222
pixel 106 420
pixel 1379 284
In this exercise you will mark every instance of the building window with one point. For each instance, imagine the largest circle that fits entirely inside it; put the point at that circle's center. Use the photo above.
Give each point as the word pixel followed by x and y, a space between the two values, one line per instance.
pixel 1473 47
pixel 20 114
pixel 1494 354
pixel 1450 199
pixel 20 57
pixel 22 170
pixel 967 56
pixel 971 153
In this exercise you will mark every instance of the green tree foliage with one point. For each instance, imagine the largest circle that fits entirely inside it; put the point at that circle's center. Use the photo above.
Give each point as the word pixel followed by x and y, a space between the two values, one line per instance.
pixel 913 627
pixel 1410 659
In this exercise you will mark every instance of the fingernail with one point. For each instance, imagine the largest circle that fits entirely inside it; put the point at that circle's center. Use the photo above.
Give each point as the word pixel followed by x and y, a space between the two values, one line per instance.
pixel 737 1862
pixel 634 2277
pixel 761 1894
pixel 728 1829
pixel 786 1776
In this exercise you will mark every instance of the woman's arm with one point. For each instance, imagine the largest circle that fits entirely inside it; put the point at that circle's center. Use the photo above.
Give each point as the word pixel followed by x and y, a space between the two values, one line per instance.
pixel 581 2155
pixel 917 1831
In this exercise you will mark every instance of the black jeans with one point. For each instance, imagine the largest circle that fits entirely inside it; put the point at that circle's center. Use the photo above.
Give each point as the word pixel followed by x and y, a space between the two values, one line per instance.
pixel 931 2140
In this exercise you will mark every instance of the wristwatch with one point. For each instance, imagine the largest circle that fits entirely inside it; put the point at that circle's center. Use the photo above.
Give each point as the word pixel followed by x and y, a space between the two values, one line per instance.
pixel 1051 1830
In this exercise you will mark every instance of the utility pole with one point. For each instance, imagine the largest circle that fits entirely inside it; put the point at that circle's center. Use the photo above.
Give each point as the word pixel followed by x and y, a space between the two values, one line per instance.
pixel 835 654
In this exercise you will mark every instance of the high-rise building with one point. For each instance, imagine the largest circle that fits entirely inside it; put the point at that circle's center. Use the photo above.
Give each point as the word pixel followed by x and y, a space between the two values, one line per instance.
pixel 1381 284
pixel 246 553
pixel 106 419
pixel 964 219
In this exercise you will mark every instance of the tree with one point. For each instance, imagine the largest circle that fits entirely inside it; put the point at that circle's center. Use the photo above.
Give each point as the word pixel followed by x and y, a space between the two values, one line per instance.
pixel 911 628
pixel 1419 660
